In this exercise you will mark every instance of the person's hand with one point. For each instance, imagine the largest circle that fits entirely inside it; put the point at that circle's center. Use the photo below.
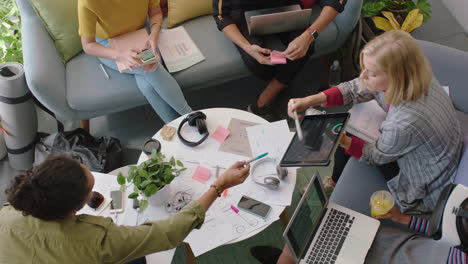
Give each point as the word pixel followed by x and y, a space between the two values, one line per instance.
pixel 259 54
pixel 297 105
pixel 130 58
pixel 345 141
pixel 234 175
pixel 396 216
pixel 152 41
pixel 299 46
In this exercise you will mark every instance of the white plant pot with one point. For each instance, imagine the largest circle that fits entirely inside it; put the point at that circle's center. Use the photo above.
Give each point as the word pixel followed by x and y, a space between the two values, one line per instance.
pixel 3 150
pixel 161 197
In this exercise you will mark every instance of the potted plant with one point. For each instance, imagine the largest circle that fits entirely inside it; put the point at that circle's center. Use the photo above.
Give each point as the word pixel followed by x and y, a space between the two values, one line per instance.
pixel 150 178
pixel 406 15
pixel 10 30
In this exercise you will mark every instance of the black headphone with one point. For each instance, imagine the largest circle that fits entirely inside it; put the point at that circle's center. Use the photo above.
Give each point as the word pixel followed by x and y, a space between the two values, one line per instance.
pixel 194 119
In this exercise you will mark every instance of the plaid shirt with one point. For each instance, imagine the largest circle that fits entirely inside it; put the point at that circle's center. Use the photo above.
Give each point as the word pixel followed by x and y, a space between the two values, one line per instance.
pixel 423 136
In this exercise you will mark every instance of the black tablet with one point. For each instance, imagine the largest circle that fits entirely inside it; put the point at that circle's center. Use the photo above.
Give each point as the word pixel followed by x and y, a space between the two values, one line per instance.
pixel 321 137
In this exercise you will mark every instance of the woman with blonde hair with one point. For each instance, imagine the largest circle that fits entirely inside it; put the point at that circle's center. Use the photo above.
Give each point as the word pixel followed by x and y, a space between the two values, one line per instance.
pixel 421 141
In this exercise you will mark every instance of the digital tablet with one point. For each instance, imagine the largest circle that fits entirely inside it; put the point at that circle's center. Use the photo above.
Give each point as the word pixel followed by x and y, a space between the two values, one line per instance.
pixel 321 137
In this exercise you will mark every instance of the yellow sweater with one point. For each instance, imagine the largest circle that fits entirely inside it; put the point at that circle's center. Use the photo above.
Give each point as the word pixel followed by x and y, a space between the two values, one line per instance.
pixel 109 18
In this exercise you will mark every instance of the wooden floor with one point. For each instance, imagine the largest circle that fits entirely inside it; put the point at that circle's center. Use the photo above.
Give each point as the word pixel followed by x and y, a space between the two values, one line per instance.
pixel 239 253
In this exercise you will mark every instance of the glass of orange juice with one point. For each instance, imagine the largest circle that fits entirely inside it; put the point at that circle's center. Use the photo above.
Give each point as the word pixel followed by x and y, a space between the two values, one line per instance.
pixel 381 202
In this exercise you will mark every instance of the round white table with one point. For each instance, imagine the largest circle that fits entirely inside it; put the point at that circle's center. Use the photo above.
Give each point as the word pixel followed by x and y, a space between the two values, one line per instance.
pixel 215 117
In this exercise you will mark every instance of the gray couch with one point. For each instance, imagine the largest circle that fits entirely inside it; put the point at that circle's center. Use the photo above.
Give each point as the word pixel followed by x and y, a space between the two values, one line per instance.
pixel 358 180
pixel 80 91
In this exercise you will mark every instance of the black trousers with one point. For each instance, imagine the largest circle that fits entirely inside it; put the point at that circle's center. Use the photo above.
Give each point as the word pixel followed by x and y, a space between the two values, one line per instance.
pixel 388 170
pixel 284 73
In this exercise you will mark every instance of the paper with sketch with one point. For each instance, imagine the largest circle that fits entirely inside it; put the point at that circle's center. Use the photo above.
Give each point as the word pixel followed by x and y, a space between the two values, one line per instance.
pixel 365 121
pixel 273 138
pixel 238 141
pixel 178 50
pixel 281 196
pixel 223 225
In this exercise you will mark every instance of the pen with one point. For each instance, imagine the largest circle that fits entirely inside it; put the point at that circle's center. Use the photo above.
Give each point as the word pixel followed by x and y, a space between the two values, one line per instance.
pixel 104 70
pixel 256 158
pixel 298 126
pixel 233 208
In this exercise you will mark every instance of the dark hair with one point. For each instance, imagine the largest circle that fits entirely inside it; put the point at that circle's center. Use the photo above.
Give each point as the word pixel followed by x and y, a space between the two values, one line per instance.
pixel 50 190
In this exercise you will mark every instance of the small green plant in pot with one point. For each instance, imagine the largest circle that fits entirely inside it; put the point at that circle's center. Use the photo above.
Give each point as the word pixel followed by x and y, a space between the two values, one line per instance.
pixel 149 177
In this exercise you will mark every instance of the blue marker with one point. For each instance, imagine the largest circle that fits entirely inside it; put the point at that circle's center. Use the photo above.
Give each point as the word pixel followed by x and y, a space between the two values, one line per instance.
pixel 256 158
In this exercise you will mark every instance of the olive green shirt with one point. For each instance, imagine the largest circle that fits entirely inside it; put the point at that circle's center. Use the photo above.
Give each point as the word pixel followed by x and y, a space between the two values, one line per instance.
pixel 90 239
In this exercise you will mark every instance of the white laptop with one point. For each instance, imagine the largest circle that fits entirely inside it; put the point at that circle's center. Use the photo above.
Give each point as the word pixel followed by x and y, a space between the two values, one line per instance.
pixel 324 232
pixel 277 19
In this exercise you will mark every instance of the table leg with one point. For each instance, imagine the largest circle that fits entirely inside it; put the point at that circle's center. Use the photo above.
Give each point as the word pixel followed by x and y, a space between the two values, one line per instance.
pixel 284 217
pixel 189 256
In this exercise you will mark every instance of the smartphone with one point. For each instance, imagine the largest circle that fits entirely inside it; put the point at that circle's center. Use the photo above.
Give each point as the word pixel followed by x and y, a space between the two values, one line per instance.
pixel 147 56
pixel 117 202
pixel 254 207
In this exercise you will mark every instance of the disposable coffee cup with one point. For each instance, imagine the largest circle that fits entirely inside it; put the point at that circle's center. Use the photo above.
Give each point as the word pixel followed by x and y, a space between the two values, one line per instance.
pixel 381 202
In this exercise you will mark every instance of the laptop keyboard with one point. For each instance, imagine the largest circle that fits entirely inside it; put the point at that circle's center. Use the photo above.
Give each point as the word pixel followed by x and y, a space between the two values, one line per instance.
pixel 331 238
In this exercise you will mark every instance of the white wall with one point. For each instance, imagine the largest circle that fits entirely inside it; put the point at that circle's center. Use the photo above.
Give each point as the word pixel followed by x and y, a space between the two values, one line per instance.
pixel 459 9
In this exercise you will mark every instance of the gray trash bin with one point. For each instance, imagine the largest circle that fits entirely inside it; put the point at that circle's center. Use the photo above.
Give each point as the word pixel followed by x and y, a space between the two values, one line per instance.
pixel 18 115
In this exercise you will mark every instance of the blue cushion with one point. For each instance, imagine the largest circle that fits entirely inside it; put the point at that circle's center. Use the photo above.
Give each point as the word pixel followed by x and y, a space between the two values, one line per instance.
pixel 462 172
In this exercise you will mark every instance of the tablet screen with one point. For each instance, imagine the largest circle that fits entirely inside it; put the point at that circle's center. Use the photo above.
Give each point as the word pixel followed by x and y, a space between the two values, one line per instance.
pixel 321 134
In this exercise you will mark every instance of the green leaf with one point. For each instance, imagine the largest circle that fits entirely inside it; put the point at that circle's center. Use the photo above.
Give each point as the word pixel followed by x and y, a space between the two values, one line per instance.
pixel 143 205
pixel 168 178
pixel 179 163
pixel 143 173
pixel 145 183
pixel 133 195
pixel 120 178
pixel 172 161
pixel 123 188
pixel 374 8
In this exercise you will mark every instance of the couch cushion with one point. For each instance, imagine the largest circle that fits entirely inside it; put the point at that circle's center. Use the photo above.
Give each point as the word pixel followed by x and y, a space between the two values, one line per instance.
pixel 222 60
pixel 96 92
pixel 182 10
pixel 60 18
pixel 462 172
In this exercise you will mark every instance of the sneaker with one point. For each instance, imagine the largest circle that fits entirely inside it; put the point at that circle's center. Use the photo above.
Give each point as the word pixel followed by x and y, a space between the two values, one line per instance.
pixel 265 111
pixel 265 254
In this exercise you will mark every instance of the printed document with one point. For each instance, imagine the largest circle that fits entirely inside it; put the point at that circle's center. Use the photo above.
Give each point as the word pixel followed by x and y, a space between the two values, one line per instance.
pixel 178 50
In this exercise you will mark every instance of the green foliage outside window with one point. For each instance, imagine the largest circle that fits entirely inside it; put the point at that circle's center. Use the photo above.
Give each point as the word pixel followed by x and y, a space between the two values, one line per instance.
pixel 10 32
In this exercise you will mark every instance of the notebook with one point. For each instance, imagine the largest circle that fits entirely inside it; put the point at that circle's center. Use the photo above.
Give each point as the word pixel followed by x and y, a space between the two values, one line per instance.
pixel 365 121
pixel 277 19
pixel 135 39
pixel 324 232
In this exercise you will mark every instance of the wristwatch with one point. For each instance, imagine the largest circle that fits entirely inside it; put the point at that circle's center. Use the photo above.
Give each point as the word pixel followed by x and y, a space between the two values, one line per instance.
pixel 313 33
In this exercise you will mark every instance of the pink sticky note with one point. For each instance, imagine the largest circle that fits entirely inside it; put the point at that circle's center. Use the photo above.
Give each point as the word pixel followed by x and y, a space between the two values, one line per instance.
pixel 277 57
pixel 220 134
pixel 201 174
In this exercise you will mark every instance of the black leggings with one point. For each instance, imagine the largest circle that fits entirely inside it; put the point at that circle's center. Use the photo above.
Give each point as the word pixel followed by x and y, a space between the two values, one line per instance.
pixel 388 170
pixel 284 73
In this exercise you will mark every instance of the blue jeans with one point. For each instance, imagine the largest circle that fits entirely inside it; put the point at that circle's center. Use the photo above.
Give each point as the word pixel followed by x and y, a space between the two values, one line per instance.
pixel 159 87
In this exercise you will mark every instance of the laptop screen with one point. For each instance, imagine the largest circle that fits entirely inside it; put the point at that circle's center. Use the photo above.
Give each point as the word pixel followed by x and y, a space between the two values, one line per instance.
pixel 307 219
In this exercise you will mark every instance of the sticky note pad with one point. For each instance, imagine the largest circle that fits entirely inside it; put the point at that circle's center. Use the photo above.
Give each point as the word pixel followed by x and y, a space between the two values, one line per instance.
pixel 277 58
pixel 220 134
pixel 201 174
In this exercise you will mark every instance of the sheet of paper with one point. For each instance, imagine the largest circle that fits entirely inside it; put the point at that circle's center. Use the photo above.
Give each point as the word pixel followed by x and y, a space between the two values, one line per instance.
pixel 277 57
pixel 365 120
pixel 201 174
pixel 178 50
pixel 446 89
pixel 273 138
pixel 238 141
pixel 105 183
pixel 281 196
pixel 220 134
